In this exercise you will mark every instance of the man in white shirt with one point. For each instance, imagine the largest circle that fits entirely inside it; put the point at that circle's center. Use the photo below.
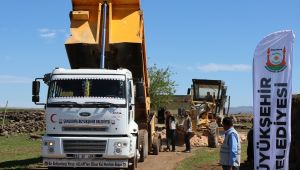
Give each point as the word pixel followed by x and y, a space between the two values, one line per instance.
pixel 172 131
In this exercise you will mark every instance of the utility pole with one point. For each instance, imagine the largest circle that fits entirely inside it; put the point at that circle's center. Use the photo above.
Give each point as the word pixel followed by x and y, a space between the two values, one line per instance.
pixel 3 120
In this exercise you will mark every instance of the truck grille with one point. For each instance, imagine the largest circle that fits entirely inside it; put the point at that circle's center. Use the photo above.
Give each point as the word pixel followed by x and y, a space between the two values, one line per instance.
pixel 84 146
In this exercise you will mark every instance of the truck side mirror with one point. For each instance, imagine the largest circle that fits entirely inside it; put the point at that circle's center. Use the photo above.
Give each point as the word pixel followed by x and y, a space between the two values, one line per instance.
pixel 35 91
pixel 189 91
pixel 35 99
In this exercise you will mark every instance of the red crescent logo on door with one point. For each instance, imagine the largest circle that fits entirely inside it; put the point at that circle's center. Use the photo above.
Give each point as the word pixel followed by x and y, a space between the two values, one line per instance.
pixel 52 118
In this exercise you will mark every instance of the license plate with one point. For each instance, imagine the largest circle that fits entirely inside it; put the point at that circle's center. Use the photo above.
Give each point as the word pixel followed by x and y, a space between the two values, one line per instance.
pixel 85 163
pixel 84 156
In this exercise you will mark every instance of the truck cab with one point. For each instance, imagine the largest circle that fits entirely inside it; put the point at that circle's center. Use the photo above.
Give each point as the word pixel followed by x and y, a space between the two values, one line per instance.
pixel 89 117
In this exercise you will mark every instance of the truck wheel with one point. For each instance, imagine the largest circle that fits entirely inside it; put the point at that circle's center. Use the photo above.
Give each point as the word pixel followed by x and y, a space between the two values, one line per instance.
pixel 143 144
pixel 156 146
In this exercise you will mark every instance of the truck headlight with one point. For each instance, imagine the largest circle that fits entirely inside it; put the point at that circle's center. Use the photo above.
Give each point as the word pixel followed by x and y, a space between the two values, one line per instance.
pixel 50 145
pixel 118 144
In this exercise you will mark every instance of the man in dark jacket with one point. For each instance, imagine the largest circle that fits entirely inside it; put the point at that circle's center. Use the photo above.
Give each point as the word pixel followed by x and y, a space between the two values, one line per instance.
pixel 250 151
pixel 187 127
pixel 168 132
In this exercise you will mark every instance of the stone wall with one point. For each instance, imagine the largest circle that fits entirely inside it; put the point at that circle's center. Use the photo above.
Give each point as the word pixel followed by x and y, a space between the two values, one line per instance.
pixel 22 121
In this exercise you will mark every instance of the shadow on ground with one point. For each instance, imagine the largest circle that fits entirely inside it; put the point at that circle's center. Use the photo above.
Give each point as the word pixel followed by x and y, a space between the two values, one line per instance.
pixel 20 164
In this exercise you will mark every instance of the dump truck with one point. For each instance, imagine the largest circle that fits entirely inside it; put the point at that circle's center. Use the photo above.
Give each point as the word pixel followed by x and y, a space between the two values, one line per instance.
pixel 208 99
pixel 97 113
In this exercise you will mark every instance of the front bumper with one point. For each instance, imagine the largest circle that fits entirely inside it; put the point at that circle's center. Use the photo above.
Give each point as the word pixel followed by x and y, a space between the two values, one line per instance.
pixel 97 147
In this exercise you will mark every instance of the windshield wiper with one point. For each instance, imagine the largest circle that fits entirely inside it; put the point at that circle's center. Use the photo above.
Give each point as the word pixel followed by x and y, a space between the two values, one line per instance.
pixel 102 104
pixel 65 103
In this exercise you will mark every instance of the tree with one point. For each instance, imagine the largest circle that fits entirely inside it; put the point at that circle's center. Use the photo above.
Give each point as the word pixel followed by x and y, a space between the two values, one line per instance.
pixel 161 86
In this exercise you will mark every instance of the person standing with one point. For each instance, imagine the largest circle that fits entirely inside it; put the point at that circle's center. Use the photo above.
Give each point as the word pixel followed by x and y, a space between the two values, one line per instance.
pixel 172 131
pixel 250 150
pixel 212 134
pixel 167 125
pixel 230 152
pixel 187 127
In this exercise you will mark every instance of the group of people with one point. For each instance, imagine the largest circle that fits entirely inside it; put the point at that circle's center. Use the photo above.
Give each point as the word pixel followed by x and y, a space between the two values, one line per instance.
pixel 171 131
pixel 230 151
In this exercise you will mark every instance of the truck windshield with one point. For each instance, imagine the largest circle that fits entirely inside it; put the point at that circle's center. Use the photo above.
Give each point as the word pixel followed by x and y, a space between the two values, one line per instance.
pixel 87 88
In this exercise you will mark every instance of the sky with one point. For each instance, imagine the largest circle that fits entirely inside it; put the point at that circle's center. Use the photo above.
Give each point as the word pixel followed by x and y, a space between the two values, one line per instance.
pixel 198 39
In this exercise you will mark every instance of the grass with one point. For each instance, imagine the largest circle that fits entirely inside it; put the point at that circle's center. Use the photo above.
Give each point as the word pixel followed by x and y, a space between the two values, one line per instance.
pixel 9 110
pixel 248 124
pixel 2 109
pixel 19 152
pixel 205 157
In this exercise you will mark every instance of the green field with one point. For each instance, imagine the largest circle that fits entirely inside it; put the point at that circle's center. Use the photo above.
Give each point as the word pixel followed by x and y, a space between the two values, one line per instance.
pixel 206 158
pixel 18 152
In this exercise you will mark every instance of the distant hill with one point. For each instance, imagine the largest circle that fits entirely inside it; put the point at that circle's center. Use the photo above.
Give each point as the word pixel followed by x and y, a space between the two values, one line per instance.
pixel 241 109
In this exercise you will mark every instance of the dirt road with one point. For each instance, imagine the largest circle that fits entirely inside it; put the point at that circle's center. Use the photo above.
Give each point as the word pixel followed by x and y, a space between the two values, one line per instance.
pixel 164 161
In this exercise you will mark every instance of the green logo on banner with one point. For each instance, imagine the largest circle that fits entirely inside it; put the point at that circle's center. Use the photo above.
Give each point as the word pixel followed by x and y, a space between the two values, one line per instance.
pixel 276 60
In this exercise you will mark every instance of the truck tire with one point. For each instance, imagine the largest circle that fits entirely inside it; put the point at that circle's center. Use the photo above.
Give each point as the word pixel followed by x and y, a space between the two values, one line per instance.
pixel 143 144
pixel 156 146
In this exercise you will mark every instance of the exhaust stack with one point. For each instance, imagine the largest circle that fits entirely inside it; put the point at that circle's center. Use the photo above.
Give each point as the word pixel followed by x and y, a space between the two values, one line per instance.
pixel 102 59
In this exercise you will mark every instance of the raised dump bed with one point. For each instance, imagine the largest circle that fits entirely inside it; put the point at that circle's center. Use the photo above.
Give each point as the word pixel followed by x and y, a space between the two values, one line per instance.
pixel 125 43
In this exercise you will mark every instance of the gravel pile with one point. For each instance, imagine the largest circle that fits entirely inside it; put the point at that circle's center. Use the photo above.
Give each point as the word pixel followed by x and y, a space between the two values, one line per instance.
pixel 197 141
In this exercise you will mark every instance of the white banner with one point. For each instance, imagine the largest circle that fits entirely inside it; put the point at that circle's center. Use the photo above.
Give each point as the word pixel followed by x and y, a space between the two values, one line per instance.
pixel 272 94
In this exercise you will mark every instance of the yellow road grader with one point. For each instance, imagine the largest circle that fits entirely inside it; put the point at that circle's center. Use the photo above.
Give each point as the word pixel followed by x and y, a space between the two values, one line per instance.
pixel 208 99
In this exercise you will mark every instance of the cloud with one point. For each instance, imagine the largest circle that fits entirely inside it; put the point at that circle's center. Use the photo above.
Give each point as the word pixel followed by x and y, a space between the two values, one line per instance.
pixel 47 33
pixel 212 67
pixel 50 33
pixel 43 30
pixel 8 79
pixel 182 67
